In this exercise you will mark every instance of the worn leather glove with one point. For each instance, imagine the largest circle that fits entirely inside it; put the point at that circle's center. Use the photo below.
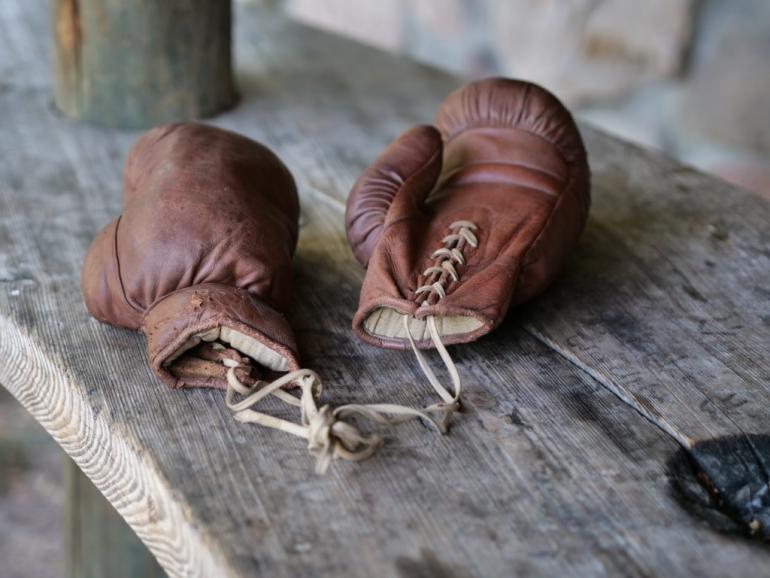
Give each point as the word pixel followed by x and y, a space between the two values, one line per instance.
pixel 200 262
pixel 457 222
pixel 201 253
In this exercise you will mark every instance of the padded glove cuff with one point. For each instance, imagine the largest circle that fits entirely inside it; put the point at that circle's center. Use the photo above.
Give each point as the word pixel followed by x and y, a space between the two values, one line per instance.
pixel 211 312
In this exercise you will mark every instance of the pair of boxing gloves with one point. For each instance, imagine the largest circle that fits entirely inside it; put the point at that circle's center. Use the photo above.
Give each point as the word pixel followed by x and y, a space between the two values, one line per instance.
pixel 455 222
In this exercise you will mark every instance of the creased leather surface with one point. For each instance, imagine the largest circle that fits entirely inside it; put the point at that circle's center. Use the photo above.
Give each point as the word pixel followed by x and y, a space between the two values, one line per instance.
pixel 206 238
pixel 503 154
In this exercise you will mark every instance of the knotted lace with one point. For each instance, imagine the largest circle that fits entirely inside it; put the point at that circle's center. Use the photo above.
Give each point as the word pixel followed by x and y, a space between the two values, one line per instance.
pixel 328 435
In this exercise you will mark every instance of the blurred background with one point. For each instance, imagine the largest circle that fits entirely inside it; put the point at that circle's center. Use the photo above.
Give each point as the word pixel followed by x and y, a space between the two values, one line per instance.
pixel 689 77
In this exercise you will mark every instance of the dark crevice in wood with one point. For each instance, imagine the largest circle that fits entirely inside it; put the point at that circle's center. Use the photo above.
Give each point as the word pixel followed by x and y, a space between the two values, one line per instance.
pixel 733 470
pixel 642 406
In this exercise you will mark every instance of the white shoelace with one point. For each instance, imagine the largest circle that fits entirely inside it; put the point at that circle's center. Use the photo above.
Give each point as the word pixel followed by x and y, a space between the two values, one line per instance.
pixel 329 436
pixel 450 403
pixel 437 278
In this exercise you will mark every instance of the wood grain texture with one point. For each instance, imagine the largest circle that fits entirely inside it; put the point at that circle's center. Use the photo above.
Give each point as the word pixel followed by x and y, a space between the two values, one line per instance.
pixel 547 472
pixel 670 300
pixel 136 63
pixel 98 542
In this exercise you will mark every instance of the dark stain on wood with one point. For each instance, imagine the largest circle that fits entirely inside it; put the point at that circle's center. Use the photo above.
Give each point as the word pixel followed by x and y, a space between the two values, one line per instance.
pixel 726 482
pixel 516 418
pixel 427 566
pixel 478 400
pixel 694 293
pixel 583 406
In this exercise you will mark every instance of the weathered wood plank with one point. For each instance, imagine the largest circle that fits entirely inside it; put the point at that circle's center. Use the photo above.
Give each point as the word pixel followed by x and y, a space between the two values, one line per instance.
pixel 547 472
pixel 669 311
pixel 670 298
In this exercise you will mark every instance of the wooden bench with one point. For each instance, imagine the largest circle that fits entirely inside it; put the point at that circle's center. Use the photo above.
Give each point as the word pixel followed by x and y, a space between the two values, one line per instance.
pixel 577 450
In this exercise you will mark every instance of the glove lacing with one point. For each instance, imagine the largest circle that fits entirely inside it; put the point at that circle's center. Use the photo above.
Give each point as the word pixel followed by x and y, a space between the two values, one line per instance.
pixel 328 436
pixel 438 276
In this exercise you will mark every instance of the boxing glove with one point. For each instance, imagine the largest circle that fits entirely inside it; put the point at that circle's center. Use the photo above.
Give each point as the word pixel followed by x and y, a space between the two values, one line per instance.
pixel 201 253
pixel 200 262
pixel 458 221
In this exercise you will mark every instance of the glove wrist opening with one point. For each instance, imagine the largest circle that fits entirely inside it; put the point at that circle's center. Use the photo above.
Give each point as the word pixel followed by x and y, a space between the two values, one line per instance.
pixel 387 324
pixel 189 330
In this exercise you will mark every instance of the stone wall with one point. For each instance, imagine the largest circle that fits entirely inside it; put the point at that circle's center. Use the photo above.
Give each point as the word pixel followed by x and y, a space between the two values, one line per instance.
pixel 584 49
pixel 691 77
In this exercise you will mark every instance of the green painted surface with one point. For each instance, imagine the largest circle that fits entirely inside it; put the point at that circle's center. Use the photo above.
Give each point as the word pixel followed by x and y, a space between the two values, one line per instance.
pixel 98 542
pixel 137 63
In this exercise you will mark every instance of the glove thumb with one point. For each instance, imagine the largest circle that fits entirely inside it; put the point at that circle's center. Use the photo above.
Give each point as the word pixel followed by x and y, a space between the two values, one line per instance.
pixel 392 187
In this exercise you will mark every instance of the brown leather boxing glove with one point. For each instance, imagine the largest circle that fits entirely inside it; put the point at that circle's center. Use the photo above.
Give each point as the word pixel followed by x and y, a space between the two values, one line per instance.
pixel 457 222
pixel 200 262
pixel 202 251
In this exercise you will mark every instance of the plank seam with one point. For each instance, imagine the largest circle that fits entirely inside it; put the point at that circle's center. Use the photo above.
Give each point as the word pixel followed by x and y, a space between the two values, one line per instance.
pixel 623 394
